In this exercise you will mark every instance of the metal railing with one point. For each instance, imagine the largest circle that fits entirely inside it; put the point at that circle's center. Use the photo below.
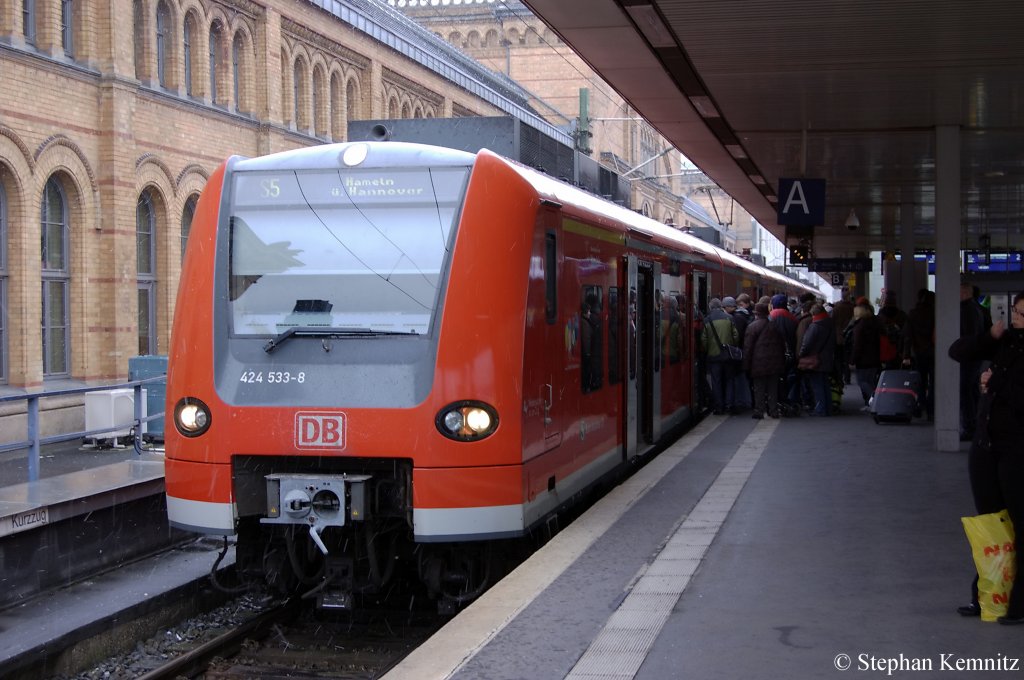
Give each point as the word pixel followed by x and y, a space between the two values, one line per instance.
pixel 35 441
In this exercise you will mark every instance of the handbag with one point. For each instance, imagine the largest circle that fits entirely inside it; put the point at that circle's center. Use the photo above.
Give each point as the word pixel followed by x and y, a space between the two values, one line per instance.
pixel 992 545
pixel 735 353
pixel 809 362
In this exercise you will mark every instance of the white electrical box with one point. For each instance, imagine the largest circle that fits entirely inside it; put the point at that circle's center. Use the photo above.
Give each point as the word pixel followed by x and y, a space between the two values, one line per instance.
pixel 112 410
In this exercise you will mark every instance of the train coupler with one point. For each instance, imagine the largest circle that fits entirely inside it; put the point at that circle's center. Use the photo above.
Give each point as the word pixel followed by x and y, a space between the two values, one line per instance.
pixel 317 500
pixel 338 580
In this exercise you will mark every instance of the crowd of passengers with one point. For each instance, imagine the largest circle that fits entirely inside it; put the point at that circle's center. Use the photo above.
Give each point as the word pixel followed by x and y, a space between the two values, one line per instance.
pixel 797 354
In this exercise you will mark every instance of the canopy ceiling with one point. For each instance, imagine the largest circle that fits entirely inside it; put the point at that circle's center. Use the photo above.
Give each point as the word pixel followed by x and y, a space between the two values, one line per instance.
pixel 846 90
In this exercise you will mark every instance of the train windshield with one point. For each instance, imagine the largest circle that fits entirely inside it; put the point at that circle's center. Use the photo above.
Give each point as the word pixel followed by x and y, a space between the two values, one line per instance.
pixel 351 249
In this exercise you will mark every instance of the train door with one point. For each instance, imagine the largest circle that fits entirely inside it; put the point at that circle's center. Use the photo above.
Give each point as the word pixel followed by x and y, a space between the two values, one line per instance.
pixel 544 349
pixel 699 297
pixel 643 391
pixel 554 335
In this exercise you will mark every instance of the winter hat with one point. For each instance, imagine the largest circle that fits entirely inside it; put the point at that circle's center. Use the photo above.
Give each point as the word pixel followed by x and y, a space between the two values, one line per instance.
pixel 779 301
pixel 728 301
pixel 760 309
pixel 715 304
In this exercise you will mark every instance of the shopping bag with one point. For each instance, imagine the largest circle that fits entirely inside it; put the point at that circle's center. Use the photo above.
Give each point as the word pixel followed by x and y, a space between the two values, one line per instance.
pixel 992 544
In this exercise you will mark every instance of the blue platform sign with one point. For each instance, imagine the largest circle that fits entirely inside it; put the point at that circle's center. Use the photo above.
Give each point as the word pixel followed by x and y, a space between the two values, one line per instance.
pixel 801 201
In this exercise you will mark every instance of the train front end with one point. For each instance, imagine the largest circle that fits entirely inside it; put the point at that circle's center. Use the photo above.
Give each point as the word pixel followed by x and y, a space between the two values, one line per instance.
pixel 337 403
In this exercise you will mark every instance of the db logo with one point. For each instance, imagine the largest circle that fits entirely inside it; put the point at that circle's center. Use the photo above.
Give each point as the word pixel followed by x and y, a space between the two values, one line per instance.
pixel 320 430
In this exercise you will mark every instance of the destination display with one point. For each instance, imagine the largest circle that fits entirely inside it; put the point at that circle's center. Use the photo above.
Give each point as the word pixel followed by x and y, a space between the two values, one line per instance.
pixel 839 264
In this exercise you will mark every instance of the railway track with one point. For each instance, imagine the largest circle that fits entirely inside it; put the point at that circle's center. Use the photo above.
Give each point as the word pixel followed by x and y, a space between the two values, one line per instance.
pixel 289 640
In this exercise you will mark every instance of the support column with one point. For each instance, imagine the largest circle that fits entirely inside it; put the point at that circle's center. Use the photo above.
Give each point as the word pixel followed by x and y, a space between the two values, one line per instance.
pixel 947 286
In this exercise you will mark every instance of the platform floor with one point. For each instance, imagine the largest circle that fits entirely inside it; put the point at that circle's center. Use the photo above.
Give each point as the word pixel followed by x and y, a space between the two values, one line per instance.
pixel 749 549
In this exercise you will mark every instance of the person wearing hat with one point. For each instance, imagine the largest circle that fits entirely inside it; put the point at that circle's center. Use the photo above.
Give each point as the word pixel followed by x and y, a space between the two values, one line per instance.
pixel 785 322
pixel 764 359
pixel 738 309
pixel 719 331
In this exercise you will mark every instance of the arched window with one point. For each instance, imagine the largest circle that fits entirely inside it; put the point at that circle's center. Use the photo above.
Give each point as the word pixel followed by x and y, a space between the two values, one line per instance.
pixel 337 109
pixel 286 90
pixel 189 32
pixel 145 245
pixel 352 100
pixel 3 285
pixel 67 26
pixel 300 85
pixel 319 105
pixel 54 229
pixel 163 26
pixel 28 20
pixel 137 42
pixel 186 221
pixel 236 71
pixel 214 60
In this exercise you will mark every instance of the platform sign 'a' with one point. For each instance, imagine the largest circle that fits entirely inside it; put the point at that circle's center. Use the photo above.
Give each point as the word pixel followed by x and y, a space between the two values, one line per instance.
pixel 801 201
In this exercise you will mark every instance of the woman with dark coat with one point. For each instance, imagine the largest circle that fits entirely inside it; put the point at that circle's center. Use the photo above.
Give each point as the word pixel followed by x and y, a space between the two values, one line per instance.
pixel 863 352
pixel 820 341
pixel 996 458
pixel 764 360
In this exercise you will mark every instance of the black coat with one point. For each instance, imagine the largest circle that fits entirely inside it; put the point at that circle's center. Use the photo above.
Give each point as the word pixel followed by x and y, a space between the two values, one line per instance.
pixel 820 339
pixel 764 350
pixel 1001 410
pixel 866 333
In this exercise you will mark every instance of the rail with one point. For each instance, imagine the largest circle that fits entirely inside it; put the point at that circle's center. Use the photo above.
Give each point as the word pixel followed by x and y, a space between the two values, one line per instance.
pixel 34 441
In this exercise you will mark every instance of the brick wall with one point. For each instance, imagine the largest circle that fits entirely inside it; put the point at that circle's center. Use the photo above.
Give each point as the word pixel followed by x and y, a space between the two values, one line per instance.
pixel 107 131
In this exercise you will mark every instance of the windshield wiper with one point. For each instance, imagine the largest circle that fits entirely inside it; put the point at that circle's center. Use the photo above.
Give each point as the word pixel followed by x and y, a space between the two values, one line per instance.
pixel 328 332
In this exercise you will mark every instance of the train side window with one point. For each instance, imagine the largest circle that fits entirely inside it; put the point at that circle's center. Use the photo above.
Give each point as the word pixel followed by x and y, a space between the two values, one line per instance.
pixel 658 302
pixel 631 333
pixel 670 325
pixel 550 278
pixel 682 334
pixel 591 332
pixel 614 321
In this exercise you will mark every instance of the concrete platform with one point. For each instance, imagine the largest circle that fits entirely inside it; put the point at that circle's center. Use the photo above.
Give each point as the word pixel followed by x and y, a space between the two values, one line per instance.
pixel 750 549
pixel 42 637
pixel 86 515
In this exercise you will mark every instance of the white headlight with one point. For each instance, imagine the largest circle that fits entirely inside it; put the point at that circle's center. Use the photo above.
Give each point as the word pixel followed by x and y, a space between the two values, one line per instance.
pixel 191 417
pixel 478 420
pixel 467 421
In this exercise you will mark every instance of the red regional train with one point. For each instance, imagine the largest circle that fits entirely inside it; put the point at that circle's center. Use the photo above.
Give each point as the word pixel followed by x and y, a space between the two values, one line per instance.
pixel 394 353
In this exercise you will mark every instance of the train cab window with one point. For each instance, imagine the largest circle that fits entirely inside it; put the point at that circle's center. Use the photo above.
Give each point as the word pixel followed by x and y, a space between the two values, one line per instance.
pixel 614 320
pixel 550 279
pixel 591 331
pixel 372 245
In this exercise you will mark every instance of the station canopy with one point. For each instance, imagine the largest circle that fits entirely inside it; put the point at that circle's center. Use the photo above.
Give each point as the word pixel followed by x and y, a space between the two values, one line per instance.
pixel 851 92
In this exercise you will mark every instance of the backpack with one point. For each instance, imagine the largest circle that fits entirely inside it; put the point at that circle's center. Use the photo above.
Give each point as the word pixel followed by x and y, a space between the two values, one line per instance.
pixel 889 342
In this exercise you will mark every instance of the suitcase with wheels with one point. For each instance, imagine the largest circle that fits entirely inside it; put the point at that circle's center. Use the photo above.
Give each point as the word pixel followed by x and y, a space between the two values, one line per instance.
pixel 895 397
